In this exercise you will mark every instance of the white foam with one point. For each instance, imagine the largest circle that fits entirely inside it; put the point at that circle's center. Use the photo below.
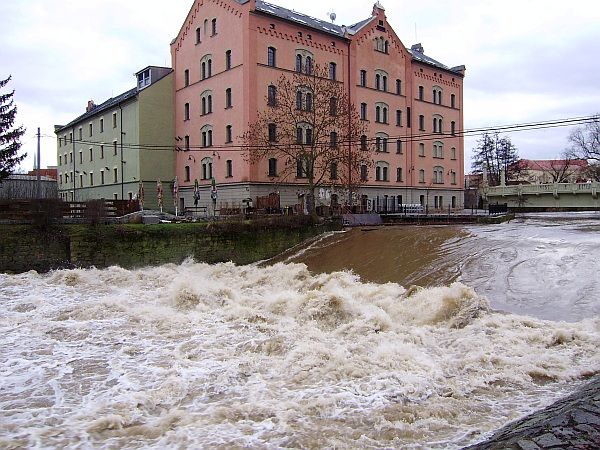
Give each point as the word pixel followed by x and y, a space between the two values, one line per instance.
pixel 203 355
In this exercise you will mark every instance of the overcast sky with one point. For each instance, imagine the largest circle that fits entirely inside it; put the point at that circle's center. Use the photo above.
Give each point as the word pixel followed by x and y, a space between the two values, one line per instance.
pixel 527 60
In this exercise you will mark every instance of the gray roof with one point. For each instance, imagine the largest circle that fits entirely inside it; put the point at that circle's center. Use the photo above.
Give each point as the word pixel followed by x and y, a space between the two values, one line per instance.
pixel 417 53
pixel 302 19
pixel 108 104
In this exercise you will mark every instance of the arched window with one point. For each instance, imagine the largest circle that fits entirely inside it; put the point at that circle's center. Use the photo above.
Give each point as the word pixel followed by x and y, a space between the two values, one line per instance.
pixel 332 71
pixel 299 101
pixel 214 26
pixel 381 112
pixel 333 172
pixel 228 60
pixel 363 77
pixel 304 134
pixel 272 57
pixel 206 67
pixel 421 93
pixel 381 77
pixel 437 95
pixel 453 128
pixel 363 142
pixel 228 99
pixel 438 150
pixel 186 111
pixel 298 63
pixel 382 169
pixel 272 132
pixel 399 176
pixel 206 133
pixel 453 153
pixel 386 47
pixel 309 101
pixel 421 176
pixel 399 87
pixel 438 175
pixel 228 134
pixel 198 35
pixel 272 95
pixel 206 102
pixel 272 167
pixel 363 111
pixel 187 173
pixel 381 142
pixel 333 106
pixel 333 139
pixel 452 101
pixel 207 168
pixel 308 66
pixel 229 168
pixel 437 124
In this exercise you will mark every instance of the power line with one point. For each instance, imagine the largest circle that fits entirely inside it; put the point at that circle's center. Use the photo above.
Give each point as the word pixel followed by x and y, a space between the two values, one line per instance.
pixel 519 127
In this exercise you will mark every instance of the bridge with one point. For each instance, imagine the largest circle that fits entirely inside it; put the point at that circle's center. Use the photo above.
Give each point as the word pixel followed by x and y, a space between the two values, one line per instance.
pixel 551 195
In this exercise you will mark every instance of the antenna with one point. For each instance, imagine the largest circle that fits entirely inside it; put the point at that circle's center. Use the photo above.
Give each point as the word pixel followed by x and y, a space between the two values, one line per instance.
pixel 332 16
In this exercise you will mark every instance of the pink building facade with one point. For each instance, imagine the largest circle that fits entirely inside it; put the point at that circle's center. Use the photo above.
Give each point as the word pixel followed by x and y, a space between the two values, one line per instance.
pixel 228 52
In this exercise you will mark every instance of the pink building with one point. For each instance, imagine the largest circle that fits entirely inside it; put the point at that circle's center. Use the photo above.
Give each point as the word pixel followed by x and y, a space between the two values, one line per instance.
pixel 228 52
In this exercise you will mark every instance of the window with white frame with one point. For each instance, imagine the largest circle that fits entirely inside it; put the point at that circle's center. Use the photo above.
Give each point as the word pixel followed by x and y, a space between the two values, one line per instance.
pixel 381 80
pixel 206 165
pixel 438 150
pixel 206 135
pixel 437 123
pixel 206 67
pixel 438 175
pixel 437 95
pixel 206 102
pixel 421 149
pixel 305 61
pixel 381 112
pixel 381 142
pixel 382 169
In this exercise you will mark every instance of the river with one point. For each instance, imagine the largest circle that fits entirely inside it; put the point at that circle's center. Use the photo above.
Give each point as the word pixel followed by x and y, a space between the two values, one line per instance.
pixel 321 349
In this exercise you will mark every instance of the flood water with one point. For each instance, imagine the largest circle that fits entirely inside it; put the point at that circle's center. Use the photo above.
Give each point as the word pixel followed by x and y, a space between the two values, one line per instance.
pixel 544 265
pixel 299 354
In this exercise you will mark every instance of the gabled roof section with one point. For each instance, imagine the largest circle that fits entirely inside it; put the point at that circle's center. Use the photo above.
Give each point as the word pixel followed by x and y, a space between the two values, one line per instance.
pixel 299 18
pixel 108 104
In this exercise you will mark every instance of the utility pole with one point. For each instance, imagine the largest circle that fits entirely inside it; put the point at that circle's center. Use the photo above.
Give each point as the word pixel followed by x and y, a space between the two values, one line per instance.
pixel 39 167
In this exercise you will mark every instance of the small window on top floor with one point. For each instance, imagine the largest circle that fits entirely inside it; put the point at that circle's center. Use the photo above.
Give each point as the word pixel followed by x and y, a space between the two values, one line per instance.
pixel 214 27
pixel 332 71
pixel 186 77
pixel 271 56
pixel 421 92
pixel 452 101
pixel 198 35
pixel 399 87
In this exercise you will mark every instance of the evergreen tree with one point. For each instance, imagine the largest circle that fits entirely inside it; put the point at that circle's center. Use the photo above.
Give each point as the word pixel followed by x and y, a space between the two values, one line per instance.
pixel 495 154
pixel 9 136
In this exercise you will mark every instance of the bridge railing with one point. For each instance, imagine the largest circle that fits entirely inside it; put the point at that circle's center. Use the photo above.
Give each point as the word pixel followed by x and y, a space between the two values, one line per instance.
pixel 533 189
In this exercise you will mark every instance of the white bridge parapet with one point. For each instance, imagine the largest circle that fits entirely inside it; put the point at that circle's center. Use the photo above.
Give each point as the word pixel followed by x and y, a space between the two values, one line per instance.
pixel 566 193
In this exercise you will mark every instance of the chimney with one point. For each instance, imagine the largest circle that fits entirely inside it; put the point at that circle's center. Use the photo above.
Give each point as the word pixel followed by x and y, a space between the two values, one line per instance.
pixel 417 48
pixel 91 105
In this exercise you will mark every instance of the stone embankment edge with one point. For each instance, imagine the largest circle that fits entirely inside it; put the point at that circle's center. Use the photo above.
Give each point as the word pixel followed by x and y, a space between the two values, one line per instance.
pixel 570 423
pixel 25 247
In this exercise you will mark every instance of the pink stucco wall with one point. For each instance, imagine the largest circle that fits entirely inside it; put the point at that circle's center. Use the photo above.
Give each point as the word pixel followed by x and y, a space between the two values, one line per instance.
pixel 248 34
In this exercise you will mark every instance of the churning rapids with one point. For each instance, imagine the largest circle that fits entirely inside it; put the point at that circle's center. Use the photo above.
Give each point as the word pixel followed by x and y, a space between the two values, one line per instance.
pixel 277 356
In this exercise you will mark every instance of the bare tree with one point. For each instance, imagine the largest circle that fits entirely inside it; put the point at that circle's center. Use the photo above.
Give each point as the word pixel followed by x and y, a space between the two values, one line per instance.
pixel 562 170
pixel 495 155
pixel 585 140
pixel 592 172
pixel 311 133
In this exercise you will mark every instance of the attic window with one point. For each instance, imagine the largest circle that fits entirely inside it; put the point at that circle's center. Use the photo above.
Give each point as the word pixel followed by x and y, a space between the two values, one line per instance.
pixel 381 23
pixel 272 26
pixel 333 43
pixel 299 33
pixel 420 70
pixel 309 36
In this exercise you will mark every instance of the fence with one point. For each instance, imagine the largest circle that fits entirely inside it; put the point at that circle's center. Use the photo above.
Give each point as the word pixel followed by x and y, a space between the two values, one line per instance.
pixel 58 210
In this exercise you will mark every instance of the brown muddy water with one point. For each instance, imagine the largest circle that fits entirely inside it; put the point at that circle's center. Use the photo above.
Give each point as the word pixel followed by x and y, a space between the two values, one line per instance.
pixel 301 354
